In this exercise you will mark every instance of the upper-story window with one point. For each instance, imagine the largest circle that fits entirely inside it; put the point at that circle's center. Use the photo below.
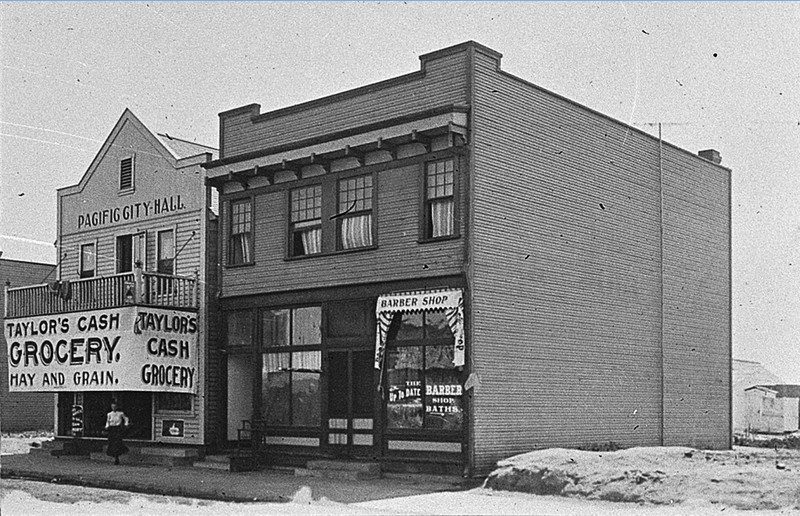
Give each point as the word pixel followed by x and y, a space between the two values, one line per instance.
pixel 88 263
pixel 166 252
pixel 355 212
pixel 131 252
pixel 241 233
pixel 306 220
pixel 126 173
pixel 439 199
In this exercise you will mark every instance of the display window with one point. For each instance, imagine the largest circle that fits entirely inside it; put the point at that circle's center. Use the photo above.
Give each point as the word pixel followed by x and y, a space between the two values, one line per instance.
pixel 424 389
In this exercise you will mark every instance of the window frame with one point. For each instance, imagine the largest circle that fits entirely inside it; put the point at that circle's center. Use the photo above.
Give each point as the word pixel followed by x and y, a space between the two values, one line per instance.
pixel 424 342
pixel 343 214
pixel 174 230
pixel 138 243
pixel 229 255
pixel 126 190
pixel 293 230
pixel 424 218
pixel 81 271
pixel 291 348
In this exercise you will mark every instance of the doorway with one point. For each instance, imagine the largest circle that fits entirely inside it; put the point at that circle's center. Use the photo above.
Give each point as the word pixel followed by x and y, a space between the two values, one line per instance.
pixel 351 403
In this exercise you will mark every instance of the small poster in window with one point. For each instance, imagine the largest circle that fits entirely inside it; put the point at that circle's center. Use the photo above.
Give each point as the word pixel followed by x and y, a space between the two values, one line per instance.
pixel 172 428
pixel 77 420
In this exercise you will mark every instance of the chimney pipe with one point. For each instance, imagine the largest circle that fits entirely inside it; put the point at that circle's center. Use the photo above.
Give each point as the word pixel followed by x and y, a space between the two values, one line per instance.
pixel 711 155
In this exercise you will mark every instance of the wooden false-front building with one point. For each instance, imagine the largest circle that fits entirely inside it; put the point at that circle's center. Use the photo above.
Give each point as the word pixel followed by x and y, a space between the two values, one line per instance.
pixel 126 317
pixel 455 265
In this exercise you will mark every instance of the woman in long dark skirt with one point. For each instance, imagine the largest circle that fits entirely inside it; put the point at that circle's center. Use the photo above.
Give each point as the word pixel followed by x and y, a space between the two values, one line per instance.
pixel 116 422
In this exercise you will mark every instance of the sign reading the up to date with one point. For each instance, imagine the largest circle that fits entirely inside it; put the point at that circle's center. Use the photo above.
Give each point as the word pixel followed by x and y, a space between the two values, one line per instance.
pixel 132 349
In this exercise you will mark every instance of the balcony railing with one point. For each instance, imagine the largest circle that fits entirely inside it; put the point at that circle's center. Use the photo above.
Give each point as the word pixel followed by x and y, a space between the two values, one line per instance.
pixel 130 288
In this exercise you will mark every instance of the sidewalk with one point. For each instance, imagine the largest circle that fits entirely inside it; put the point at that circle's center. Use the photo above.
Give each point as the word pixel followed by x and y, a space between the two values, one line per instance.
pixel 260 486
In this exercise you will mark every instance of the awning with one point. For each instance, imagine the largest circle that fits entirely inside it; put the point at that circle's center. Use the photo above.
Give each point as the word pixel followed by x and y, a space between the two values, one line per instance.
pixel 451 301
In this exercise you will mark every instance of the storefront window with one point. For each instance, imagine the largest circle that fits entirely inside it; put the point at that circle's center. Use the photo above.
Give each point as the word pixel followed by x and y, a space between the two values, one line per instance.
pixel 424 388
pixel 240 329
pixel 291 379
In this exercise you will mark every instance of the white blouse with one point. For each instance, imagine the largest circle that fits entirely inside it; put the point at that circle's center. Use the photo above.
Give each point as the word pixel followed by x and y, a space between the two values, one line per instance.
pixel 116 418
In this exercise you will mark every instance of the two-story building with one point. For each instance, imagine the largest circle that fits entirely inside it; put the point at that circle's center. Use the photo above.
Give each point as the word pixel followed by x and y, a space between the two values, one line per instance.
pixel 455 265
pixel 127 315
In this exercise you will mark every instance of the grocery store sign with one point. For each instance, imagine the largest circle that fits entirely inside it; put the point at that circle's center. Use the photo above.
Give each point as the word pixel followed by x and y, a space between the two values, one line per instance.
pixel 132 348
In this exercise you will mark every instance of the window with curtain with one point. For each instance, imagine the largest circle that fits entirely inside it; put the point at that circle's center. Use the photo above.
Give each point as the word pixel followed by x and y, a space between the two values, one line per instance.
pixel 355 212
pixel 241 232
pixel 88 260
pixel 424 389
pixel 439 199
pixel 306 221
pixel 291 366
pixel 166 252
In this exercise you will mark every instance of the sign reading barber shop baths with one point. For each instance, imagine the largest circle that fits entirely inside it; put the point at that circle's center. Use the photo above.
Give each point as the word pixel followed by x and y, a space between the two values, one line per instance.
pixel 131 348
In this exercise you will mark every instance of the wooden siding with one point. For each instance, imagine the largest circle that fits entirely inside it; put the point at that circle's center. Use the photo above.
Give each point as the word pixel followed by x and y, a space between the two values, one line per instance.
pixel 398 255
pixel 697 275
pixel 22 410
pixel 188 261
pixel 443 83
pixel 566 274
pixel 578 290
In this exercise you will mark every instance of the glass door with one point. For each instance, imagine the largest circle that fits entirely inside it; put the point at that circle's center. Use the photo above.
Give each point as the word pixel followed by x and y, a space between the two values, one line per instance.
pixel 351 402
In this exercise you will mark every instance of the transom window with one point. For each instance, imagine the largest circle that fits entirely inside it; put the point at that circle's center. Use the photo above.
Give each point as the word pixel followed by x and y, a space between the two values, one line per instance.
pixel 439 199
pixel 355 212
pixel 241 237
pixel 306 220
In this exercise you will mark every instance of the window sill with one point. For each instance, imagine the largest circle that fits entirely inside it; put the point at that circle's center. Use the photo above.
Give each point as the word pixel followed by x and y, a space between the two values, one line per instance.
pixel 438 239
pixel 237 265
pixel 334 253
pixel 127 191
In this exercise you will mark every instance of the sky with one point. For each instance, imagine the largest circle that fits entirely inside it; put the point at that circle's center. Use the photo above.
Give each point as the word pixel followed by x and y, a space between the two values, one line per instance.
pixel 715 75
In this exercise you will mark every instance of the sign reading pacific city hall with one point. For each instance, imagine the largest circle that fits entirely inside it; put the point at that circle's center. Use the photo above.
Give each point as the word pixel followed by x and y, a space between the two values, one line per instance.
pixel 132 349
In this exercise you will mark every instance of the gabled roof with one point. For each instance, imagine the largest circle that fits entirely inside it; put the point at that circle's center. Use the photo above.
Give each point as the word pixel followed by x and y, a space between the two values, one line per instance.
pixel 183 148
pixel 172 149
pixel 747 373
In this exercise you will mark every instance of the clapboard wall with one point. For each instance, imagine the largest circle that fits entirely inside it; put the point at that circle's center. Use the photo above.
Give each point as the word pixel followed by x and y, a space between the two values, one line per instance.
pixel 22 410
pixel 566 279
pixel 440 81
pixel 398 255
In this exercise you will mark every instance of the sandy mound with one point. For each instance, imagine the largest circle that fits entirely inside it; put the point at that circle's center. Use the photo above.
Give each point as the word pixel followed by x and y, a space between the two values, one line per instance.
pixel 745 478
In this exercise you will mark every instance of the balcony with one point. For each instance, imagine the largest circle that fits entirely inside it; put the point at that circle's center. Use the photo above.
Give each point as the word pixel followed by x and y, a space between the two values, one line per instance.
pixel 119 290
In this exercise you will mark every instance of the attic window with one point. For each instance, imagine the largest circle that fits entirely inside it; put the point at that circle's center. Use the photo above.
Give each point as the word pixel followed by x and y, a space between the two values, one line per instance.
pixel 126 174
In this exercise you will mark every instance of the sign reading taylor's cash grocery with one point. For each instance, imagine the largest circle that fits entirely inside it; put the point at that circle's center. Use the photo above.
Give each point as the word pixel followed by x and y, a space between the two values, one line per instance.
pixel 132 349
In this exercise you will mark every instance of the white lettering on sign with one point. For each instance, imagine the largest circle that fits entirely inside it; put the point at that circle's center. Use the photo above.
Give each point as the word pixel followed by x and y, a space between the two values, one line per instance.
pixel 133 211
pixel 121 349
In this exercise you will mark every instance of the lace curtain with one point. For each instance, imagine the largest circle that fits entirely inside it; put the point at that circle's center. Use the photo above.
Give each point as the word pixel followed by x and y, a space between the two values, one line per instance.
pixel 312 243
pixel 356 231
pixel 441 217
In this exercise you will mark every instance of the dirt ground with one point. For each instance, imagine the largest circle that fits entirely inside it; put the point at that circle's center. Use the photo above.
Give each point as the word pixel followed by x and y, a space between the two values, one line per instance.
pixel 14 444
pixel 670 478
pixel 744 478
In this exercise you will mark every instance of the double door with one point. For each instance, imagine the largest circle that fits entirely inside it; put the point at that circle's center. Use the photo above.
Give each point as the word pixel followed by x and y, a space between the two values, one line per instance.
pixel 351 402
